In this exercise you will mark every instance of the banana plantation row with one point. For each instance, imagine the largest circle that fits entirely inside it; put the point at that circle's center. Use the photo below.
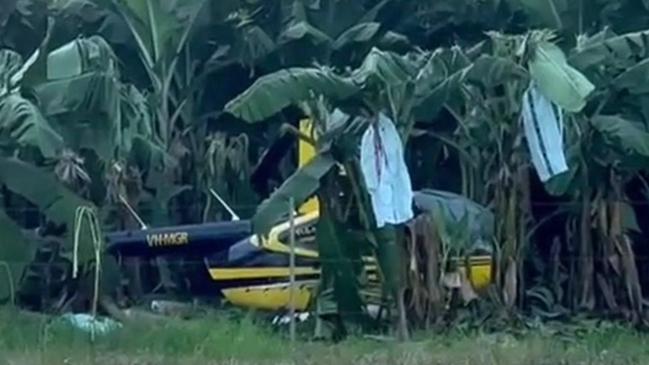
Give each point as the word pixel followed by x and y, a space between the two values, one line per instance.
pixel 444 157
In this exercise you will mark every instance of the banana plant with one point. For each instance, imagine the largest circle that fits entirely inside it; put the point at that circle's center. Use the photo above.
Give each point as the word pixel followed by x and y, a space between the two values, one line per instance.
pixel 494 163
pixel 384 82
pixel 161 30
pixel 610 153
pixel 27 137
pixel 83 95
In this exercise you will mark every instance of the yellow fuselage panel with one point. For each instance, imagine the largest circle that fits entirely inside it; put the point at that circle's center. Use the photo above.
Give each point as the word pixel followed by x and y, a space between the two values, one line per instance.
pixel 271 297
pixel 259 273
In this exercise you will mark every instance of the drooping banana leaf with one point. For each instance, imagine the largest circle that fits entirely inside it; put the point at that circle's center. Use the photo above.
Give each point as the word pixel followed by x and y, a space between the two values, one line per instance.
pixel 42 189
pixel 300 186
pixel 634 79
pixel 382 69
pixel 49 195
pixel 604 50
pixel 22 125
pixel 623 135
pixel 557 80
pixel 442 74
pixel 272 93
pixel 83 55
pixel 87 111
pixel 437 69
pixel 445 72
pixel 490 71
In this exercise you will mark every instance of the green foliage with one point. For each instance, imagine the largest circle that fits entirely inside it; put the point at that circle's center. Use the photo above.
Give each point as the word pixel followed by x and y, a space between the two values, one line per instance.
pixel 603 49
pixel 300 186
pixel 42 189
pixel 272 93
pixel 322 56
pixel 359 33
pixel 561 83
pixel 22 122
pixel 623 135
pixel 158 29
pixel 24 126
pixel 382 69
pixel 634 78
pixel 16 252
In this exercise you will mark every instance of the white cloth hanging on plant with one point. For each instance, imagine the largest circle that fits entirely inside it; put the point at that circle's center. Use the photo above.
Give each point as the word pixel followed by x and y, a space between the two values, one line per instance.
pixel 543 127
pixel 385 173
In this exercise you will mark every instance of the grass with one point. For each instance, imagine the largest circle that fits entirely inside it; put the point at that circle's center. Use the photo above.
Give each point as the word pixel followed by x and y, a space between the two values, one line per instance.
pixel 31 340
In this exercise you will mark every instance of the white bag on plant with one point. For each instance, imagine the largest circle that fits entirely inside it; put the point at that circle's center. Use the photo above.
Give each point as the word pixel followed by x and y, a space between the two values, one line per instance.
pixel 543 127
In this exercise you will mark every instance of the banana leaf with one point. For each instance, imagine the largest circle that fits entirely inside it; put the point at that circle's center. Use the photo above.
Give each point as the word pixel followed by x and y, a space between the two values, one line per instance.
pixel 92 54
pixel 22 125
pixel 359 33
pixel 382 69
pixel 304 31
pixel 445 72
pixel 623 135
pixel 87 111
pixel 439 66
pixel 158 26
pixel 149 156
pixel 634 79
pixel 440 77
pixel 51 197
pixel 41 189
pixel 606 50
pixel 490 71
pixel 557 80
pixel 300 186
pixel 272 93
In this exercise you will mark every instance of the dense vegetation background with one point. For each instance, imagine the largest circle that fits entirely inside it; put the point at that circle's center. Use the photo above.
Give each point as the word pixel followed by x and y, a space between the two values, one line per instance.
pixel 148 104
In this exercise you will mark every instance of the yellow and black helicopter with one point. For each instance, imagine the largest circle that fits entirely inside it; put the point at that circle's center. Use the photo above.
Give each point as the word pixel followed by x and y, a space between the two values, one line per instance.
pixel 227 260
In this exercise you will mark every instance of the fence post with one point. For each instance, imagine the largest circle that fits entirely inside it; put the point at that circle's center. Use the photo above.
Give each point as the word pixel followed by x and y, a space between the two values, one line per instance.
pixel 292 269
